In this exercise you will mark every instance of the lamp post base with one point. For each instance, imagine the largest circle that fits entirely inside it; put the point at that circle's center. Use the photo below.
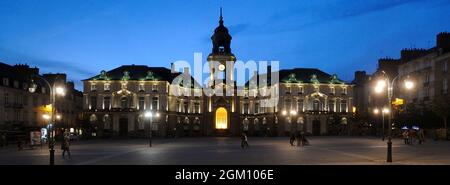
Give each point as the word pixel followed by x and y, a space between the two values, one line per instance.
pixel 52 156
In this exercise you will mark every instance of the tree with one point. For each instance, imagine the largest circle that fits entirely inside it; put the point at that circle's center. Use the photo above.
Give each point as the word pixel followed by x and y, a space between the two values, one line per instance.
pixel 441 107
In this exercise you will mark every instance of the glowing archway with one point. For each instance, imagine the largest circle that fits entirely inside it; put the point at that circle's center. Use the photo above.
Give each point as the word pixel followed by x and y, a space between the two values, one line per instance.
pixel 221 118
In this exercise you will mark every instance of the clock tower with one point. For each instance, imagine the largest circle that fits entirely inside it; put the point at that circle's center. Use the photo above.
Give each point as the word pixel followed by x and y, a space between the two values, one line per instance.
pixel 221 60
pixel 222 107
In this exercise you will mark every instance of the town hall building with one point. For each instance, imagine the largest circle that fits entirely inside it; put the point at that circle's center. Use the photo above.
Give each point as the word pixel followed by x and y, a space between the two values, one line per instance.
pixel 132 99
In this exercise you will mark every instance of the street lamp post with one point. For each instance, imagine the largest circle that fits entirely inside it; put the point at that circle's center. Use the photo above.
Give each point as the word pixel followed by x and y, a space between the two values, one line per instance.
pixel 53 92
pixel 383 112
pixel 390 91
pixel 149 115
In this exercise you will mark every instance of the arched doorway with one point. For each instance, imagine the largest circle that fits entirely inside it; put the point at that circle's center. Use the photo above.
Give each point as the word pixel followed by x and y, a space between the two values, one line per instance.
pixel 221 119
pixel 316 127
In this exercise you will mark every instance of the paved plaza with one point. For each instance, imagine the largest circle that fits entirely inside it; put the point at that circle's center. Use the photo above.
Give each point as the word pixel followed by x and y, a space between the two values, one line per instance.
pixel 227 151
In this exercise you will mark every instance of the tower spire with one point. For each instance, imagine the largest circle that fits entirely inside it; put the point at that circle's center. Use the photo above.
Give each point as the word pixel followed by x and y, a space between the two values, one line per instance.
pixel 221 18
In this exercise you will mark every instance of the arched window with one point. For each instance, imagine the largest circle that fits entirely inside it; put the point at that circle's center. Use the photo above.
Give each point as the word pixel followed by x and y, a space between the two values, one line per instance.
pixel 93 118
pixel 316 105
pixel 124 102
pixel 245 124
pixel 155 103
pixel 106 122
pixel 256 122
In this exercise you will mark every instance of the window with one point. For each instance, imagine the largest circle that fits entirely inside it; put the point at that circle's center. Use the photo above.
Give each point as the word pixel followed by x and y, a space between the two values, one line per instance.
pixel 445 86
pixel 155 87
pixel 445 66
pixel 5 81
pixel 93 102
pixel 332 90
pixel 316 105
pixel 141 103
pixel 93 87
pixel 6 98
pixel 256 108
pixel 300 105
pixel 141 87
pixel 288 90
pixel 155 103
pixel 16 84
pixel 300 90
pixel 107 103
pixel 197 107
pixel 246 108
pixel 343 105
pixel 107 87
pixel 287 105
pixel 426 79
pixel 344 90
pixel 25 99
pixel 331 107
pixel 25 86
pixel 186 107
pixel 124 102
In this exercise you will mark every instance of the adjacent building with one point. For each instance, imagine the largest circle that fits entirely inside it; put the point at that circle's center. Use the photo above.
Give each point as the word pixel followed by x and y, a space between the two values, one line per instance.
pixel 23 110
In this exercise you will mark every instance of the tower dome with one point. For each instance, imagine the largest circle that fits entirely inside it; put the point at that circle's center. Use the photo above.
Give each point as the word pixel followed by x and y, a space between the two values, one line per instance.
pixel 221 39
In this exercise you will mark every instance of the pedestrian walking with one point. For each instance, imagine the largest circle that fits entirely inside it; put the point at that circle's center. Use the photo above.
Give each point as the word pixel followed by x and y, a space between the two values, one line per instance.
pixel 299 139
pixel 421 136
pixel 244 142
pixel 292 139
pixel 304 140
pixel 405 137
pixel 65 147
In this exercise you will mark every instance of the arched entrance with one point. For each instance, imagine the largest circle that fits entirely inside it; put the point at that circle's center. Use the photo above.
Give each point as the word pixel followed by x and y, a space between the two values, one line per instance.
pixel 123 126
pixel 316 127
pixel 221 119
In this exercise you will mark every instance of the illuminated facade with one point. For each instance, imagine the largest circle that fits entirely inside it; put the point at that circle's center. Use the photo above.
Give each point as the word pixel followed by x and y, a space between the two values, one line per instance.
pixel 310 100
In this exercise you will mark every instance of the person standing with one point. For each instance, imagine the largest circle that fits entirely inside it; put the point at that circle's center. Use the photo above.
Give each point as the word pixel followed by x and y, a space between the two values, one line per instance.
pixel 244 142
pixel 65 146
pixel 421 136
pixel 292 139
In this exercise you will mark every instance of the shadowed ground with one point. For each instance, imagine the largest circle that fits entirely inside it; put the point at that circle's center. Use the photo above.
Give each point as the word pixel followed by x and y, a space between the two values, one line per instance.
pixel 227 151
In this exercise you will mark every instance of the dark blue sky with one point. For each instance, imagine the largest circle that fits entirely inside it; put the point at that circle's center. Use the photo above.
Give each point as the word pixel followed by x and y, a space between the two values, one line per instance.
pixel 82 37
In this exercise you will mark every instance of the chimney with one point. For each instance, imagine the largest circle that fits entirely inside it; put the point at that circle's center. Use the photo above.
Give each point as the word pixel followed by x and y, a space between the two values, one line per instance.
pixel 172 67
pixel 443 42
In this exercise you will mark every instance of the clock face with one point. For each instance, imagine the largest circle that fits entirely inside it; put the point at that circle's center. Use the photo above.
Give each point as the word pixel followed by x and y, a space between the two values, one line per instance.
pixel 221 67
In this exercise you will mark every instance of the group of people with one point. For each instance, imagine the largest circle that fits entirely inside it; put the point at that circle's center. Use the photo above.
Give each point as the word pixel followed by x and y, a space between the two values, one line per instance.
pixel 410 136
pixel 300 138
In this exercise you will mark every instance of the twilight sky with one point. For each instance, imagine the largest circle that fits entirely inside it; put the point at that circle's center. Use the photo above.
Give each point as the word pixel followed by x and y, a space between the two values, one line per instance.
pixel 83 37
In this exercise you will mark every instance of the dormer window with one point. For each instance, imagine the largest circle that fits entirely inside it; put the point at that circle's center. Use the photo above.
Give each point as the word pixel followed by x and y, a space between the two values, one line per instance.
pixel 344 90
pixel 300 90
pixel 141 87
pixel 93 87
pixel 107 87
